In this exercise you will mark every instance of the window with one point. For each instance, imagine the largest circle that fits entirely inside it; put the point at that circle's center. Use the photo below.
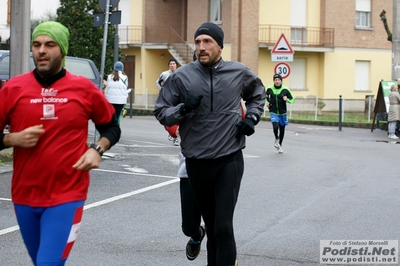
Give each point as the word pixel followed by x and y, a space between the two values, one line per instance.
pixel 298 35
pixel 5 66
pixel 215 11
pixel 298 74
pixel 80 68
pixel 363 13
pixel 361 76
pixel 298 32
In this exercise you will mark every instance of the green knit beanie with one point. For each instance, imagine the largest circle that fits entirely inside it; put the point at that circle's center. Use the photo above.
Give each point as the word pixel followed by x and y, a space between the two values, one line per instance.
pixel 57 32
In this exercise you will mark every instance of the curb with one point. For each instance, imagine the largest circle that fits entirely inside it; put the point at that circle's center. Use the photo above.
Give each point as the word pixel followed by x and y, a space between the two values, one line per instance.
pixel 147 112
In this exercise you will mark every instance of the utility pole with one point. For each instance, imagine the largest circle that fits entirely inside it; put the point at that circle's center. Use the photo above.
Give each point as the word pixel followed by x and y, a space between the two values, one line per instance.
pixel 116 46
pixel 110 16
pixel 396 40
pixel 20 36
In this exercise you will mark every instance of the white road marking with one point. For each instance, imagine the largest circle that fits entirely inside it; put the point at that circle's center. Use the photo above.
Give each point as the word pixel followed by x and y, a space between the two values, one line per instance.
pixel 130 173
pixel 109 200
pixel 5 199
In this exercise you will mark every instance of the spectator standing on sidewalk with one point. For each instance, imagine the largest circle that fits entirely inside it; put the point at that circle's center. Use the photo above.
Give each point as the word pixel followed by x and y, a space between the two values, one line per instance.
pixel 48 110
pixel 173 65
pixel 204 98
pixel 398 84
pixel 117 89
pixel 277 97
pixel 394 111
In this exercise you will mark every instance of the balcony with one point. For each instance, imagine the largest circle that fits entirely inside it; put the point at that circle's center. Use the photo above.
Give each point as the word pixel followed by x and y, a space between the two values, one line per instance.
pixel 157 35
pixel 297 36
pixel 130 35
pixel 304 38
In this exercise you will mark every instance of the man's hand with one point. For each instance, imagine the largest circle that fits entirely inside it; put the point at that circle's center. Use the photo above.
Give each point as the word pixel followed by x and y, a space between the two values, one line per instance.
pixel 89 160
pixel 190 104
pixel 26 138
pixel 245 127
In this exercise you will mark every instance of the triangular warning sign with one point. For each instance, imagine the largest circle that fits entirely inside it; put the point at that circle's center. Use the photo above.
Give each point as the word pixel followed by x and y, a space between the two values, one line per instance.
pixel 282 46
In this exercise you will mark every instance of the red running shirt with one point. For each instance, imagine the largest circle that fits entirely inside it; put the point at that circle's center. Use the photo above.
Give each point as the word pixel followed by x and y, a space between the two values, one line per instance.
pixel 43 175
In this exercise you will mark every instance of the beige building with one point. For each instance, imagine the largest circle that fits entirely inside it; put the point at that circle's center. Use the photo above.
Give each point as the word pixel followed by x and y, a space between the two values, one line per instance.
pixel 340 46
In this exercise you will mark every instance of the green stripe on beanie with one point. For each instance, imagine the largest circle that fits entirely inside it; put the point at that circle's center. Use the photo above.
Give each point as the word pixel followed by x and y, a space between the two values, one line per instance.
pixel 57 32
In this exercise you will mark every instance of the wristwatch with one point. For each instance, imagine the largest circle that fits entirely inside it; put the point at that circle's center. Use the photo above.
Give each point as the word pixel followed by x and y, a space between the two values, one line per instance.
pixel 253 117
pixel 97 148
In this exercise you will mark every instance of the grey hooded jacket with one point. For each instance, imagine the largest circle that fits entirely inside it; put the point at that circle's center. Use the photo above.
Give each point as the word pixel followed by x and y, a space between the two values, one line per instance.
pixel 208 132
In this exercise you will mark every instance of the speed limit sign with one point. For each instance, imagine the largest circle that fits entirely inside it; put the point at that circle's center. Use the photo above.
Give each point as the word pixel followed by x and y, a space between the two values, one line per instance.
pixel 282 69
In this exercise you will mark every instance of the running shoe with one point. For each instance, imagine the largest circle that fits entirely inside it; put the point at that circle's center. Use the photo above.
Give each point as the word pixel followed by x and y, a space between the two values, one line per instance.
pixel 124 113
pixel 280 150
pixel 276 144
pixel 193 247
pixel 176 142
pixel 170 138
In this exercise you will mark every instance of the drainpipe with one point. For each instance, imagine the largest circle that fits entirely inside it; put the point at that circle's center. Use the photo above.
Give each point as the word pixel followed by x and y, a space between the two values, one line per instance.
pixel 240 32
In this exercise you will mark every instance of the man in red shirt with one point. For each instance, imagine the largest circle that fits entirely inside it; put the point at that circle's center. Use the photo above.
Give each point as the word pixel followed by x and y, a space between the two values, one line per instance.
pixel 47 111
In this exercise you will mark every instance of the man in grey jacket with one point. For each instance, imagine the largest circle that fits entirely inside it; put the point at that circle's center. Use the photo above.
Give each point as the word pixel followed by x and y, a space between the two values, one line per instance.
pixel 204 98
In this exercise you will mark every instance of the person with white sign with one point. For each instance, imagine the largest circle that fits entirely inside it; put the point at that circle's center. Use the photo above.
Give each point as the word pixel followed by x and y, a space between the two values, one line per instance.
pixel 277 97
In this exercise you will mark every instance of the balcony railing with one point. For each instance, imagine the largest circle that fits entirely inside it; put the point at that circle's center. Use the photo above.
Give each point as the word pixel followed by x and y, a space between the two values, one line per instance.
pixel 129 35
pixel 300 36
pixel 268 34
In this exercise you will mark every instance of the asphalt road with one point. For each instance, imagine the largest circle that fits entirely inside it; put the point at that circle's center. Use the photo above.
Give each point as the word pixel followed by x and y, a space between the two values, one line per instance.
pixel 327 185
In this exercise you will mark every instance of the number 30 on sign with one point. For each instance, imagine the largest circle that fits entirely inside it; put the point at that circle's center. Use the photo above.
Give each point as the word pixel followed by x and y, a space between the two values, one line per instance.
pixel 282 69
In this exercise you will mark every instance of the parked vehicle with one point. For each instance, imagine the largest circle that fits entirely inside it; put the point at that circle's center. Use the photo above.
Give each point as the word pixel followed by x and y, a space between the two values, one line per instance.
pixel 75 65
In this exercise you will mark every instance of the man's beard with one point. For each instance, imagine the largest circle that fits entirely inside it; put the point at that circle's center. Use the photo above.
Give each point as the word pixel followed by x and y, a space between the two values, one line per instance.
pixel 211 60
pixel 52 68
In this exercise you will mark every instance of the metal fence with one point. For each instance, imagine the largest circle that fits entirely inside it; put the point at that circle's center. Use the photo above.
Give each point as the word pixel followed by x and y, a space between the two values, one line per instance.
pixel 309 108
pixel 330 110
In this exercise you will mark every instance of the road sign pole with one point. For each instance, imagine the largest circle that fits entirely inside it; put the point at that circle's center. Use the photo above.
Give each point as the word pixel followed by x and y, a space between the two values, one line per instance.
pixel 103 52
pixel 116 47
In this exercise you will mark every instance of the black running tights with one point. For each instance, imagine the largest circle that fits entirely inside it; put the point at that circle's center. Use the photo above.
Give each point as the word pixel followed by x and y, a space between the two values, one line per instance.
pixel 191 217
pixel 216 184
pixel 277 126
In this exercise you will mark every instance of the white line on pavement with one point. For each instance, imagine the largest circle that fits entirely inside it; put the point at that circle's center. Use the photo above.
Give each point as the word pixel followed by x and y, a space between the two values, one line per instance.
pixel 102 202
pixel 5 199
pixel 133 173
pixel 122 196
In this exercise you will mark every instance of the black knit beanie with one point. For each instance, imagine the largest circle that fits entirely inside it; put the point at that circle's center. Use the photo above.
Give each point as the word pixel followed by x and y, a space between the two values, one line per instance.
pixel 212 30
pixel 277 76
pixel 173 59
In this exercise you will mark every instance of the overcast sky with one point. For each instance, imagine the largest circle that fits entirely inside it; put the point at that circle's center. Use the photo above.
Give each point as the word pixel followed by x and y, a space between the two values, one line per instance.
pixel 39 9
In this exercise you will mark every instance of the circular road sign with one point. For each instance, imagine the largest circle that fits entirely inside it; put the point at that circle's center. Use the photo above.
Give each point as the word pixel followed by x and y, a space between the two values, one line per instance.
pixel 282 69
